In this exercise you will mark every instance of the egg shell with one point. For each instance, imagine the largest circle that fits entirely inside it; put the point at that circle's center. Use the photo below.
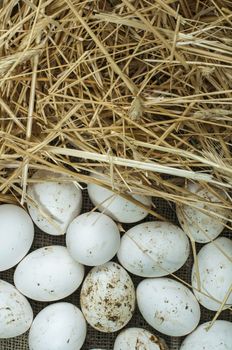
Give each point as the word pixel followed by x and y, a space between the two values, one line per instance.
pixel 117 207
pixel 16 235
pixel 93 238
pixel 138 338
pixel 153 249
pixel 54 204
pixel 202 227
pixel 16 314
pixel 168 306
pixel 108 297
pixel 48 274
pixel 215 272
pixel 217 337
pixel 59 326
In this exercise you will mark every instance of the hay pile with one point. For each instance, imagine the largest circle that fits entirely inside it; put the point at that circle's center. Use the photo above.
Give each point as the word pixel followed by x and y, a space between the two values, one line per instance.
pixel 143 88
pixel 140 88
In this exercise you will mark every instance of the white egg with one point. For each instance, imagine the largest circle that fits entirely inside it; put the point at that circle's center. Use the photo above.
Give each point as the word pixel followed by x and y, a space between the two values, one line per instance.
pixel 93 238
pixel 117 207
pixel 16 235
pixel 168 306
pixel 54 204
pixel 138 338
pixel 153 249
pixel 59 326
pixel 201 227
pixel 16 314
pixel 48 274
pixel 108 297
pixel 217 337
pixel 215 272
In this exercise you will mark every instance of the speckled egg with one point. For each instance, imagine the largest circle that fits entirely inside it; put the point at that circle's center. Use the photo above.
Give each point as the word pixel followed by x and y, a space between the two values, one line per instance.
pixel 201 227
pixel 59 326
pixel 217 337
pixel 108 297
pixel 215 272
pixel 117 207
pixel 16 235
pixel 138 338
pixel 168 306
pixel 16 314
pixel 48 274
pixel 53 204
pixel 153 249
pixel 93 238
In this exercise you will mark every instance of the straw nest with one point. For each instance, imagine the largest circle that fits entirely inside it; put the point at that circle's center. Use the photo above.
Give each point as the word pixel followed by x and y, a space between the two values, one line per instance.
pixel 140 88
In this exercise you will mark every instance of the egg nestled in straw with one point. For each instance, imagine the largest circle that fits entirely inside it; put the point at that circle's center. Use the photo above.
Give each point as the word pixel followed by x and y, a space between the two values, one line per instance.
pixel 93 238
pixel 108 297
pixel 16 235
pixel 217 336
pixel 138 338
pixel 153 249
pixel 58 326
pixel 54 202
pixel 168 306
pixel 212 275
pixel 48 274
pixel 202 221
pixel 16 314
pixel 116 206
